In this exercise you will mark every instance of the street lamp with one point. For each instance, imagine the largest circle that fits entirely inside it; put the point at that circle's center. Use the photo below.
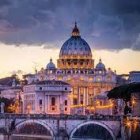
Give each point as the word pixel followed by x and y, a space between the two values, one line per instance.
pixel 28 108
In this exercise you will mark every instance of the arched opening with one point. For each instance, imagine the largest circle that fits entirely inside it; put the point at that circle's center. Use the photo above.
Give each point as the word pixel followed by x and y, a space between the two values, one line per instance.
pixel 32 130
pixel 92 131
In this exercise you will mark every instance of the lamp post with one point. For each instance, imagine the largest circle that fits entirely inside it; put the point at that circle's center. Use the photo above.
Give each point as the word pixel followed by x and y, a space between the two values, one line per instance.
pixel 133 104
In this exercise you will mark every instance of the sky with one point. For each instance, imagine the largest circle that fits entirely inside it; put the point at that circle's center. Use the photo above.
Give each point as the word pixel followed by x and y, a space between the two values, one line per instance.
pixel 33 31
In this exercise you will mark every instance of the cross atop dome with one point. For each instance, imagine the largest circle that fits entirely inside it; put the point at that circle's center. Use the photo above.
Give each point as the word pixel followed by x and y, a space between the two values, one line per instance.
pixel 100 60
pixel 75 31
pixel 50 59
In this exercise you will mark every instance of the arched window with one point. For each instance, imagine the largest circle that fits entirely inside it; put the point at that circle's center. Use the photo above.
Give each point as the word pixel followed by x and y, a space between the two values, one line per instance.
pixel 53 101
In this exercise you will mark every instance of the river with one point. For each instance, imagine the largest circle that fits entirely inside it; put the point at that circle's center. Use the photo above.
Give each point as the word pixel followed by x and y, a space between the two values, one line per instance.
pixel 5 137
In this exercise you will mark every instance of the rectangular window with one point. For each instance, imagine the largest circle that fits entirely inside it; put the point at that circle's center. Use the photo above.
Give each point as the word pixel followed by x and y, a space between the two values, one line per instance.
pixel 66 103
pixel 65 108
pixel 53 101
pixel 81 102
pixel 75 101
pixel 40 102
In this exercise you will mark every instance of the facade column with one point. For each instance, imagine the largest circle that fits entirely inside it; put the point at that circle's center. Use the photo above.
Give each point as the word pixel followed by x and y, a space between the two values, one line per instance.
pixel 36 106
pixel 48 104
pixel 23 104
pixel 45 105
pixel 84 100
pixel 78 89
pixel 87 100
pixel 59 106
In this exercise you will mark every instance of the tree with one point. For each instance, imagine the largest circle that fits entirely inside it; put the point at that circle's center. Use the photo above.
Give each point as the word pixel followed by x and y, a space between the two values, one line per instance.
pixel 8 104
pixel 124 91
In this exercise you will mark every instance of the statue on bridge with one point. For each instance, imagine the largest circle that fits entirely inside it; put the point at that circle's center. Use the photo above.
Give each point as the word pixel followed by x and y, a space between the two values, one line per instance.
pixel 2 105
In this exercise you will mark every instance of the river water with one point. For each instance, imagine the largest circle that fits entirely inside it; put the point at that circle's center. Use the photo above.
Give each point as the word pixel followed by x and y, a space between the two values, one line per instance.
pixel 4 137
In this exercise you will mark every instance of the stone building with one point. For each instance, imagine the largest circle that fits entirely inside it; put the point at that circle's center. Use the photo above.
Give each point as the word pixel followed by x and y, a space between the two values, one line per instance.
pixel 11 92
pixel 75 66
pixel 134 76
pixel 49 97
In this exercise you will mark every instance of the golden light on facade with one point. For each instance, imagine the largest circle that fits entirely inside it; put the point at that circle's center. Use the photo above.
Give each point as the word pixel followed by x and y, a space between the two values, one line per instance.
pixel 60 78
pixel 83 105
pixel 98 102
pixel 81 78
pixel 90 79
pixel 11 108
pixel 76 106
pixel 104 106
pixel 28 108
pixel 68 79
pixel 72 96
pixel 128 123
pixel 135 124
pixel 90 107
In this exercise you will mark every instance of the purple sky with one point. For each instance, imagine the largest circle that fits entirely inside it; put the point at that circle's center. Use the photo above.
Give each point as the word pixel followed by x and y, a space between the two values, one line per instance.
pixel 105 24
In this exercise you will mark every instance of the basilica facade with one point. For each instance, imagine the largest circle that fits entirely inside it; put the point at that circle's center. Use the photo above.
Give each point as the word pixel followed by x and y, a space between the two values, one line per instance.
pixel 75 66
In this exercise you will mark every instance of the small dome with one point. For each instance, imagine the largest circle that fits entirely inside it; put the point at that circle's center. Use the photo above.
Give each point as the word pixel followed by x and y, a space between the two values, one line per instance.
pixel 100 65
pixel 50 65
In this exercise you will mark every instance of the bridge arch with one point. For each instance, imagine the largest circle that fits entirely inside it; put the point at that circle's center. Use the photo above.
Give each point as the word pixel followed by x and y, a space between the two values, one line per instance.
pixel 88 129
pixel 21 126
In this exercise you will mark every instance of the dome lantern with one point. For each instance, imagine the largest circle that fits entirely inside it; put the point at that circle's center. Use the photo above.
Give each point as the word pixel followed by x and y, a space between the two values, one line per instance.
pixel 75 31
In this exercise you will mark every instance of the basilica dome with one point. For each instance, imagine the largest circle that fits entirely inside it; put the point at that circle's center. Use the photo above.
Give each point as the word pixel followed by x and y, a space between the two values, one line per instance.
pixel 75 46
pixel 75 53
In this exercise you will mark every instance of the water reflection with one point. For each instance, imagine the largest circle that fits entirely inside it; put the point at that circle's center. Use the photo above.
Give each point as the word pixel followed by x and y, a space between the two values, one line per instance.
pixel 4 137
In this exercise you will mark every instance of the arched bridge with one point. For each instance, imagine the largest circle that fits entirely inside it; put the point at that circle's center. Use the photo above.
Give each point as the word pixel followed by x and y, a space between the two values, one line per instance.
pixel 63 126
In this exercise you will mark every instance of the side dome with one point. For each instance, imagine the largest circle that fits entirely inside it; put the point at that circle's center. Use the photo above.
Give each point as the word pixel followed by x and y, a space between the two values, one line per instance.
pixel 50 65
pixel 75 46
pixel 100 65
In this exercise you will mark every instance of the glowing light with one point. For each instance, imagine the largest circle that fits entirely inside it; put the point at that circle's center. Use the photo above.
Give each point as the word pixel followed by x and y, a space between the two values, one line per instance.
pixel 28 108
pixel 105 106
pixel 133 102
pixel 90 79
pixel 90 108
pixel 97 102
pixel 76 106
pixel 72 96
pixel 128 123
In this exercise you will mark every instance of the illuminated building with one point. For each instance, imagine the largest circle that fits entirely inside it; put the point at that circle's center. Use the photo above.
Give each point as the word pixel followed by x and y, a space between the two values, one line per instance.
pixel 50 97
pixel 76 67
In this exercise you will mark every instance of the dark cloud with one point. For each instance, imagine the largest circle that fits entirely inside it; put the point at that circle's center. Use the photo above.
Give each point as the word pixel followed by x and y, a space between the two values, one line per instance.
pixel 110 24
pixel 4 3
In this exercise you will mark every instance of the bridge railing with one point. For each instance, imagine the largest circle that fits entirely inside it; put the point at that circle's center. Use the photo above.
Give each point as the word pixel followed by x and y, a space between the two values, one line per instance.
pixel 60 117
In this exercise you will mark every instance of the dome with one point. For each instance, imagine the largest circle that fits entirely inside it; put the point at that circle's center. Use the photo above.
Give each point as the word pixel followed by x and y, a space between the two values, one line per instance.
pixel 100 65
pixel 75 53
pixel 50 65
pixel 75 46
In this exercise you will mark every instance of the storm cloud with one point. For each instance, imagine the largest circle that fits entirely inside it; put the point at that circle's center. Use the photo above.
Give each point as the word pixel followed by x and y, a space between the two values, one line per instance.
pixel 110 24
